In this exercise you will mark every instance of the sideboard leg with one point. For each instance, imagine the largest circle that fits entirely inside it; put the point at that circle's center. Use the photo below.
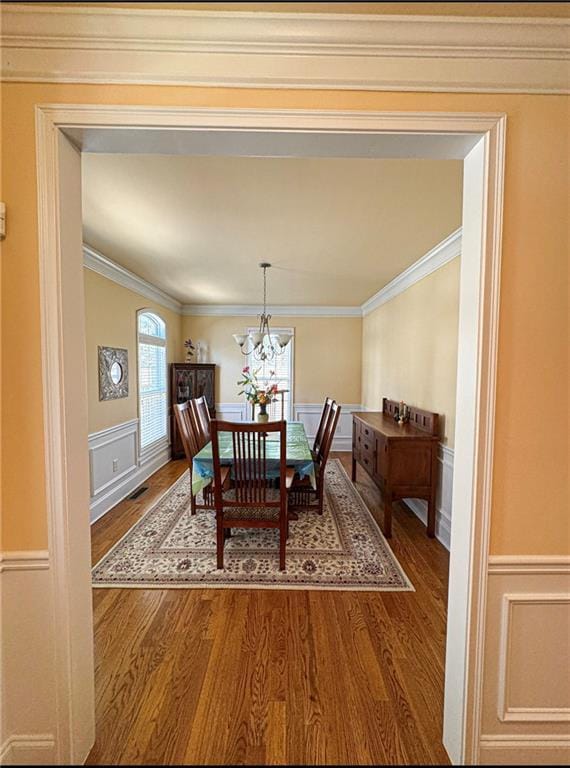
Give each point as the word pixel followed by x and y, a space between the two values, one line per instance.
pixel 431 517
pixel 353 473
pixel 388 515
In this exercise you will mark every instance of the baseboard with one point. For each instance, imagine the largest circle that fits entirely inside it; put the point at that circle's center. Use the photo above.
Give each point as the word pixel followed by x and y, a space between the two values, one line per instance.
pixel 443 501
pixel 442 524
pixel 100 506
pixel 524 750
pixel 29 750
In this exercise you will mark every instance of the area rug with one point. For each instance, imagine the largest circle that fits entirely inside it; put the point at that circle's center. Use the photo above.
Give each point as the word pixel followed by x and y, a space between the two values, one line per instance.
pixel 341 549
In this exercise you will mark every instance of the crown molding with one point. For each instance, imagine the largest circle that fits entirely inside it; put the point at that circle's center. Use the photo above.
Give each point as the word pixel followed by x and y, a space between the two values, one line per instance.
pixel 284 50
pixel 443 252
pixel 95 261
pixel 252 310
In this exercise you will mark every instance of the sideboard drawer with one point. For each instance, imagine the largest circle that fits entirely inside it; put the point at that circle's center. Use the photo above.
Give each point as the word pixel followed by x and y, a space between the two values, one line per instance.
pixel 381 468
pixel 366 458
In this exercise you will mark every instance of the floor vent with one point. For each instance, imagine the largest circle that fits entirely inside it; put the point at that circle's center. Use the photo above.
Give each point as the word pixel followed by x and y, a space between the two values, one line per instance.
pixel 138 492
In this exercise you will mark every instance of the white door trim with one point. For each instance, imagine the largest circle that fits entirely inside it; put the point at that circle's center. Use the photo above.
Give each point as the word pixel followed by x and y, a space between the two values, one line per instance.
pixel 464 727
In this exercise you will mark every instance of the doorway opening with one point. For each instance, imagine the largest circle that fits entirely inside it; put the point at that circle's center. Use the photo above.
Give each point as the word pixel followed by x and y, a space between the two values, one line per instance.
pixel 62 133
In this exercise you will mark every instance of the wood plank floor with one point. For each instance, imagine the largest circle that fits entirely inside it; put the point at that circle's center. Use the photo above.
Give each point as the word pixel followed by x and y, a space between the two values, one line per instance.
pixel 254 677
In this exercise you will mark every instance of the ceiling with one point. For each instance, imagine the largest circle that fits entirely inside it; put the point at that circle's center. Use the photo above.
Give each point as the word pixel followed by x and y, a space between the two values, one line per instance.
pixel 335 229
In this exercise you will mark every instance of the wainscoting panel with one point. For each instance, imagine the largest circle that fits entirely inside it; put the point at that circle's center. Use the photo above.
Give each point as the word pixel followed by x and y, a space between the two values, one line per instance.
pixel 112 455
pixel 310 414
pixel 526 695
pixel 232 411
pixel 443 502
pixel 27 660
pixel 116 467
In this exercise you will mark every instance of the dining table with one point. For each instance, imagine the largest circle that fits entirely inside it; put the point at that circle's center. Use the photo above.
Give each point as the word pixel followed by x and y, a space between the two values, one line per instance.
pixel 298 452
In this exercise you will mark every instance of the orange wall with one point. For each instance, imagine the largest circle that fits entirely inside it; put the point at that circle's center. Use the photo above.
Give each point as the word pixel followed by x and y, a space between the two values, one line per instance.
pixel 530 494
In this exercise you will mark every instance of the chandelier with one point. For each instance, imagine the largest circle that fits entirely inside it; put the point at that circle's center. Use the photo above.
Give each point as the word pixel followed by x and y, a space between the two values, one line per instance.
pixel 260 343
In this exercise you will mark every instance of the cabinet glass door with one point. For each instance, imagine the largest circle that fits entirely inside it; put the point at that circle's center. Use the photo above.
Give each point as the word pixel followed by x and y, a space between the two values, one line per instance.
pixel 184 385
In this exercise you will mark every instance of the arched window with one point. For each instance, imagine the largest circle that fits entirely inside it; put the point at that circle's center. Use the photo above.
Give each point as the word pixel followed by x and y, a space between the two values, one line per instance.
pixel 152 378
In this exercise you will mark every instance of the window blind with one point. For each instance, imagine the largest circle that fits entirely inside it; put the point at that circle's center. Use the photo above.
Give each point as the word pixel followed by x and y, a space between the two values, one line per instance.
pixel 283 367
pixel 152 379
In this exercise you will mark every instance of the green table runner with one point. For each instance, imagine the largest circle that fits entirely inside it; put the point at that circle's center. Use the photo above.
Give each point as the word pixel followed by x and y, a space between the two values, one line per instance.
pixel 298 456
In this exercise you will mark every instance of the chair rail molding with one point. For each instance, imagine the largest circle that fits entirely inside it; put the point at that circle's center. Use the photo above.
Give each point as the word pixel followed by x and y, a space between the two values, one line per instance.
pixel 33 560
pixel 284 50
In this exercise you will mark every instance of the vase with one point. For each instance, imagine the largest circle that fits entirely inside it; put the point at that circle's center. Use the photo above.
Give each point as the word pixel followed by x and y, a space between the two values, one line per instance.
pixel 262 416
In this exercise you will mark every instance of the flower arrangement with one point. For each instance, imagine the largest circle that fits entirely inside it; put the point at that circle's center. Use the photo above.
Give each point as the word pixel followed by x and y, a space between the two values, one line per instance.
pixel 253 391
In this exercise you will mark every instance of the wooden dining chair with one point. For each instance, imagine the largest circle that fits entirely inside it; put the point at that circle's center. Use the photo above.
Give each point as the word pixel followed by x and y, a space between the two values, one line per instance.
pixel 302 493
pixel 253 501
pixel 322 423
pixel 191 437
pixel 201 414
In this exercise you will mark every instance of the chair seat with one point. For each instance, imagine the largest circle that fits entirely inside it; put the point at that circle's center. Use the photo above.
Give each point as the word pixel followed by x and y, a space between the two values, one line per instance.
pixel 270 514
pixel 267 514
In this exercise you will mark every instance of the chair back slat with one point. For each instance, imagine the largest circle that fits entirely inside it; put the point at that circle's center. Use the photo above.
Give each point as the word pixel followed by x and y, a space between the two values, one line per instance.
pixel 322 424
pixel 328 434
pixel 203 417
pixel 187 429
pixel 201 420
pixel 249 463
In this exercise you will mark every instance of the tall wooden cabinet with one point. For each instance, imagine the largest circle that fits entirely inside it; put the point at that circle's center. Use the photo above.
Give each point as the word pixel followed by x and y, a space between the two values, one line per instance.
pixel 189 380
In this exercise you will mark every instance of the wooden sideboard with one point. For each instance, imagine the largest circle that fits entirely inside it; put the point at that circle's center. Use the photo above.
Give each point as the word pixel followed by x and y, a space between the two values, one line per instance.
pixel 401 459
pixel 187 381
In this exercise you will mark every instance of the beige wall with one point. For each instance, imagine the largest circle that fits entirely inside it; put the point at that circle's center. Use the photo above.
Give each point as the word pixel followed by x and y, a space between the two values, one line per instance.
pixel 531 449
pixel 111 321
pixel 327 355
pixel 409 348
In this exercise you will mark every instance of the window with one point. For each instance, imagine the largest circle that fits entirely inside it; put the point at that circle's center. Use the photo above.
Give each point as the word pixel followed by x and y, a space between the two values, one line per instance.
pixel 152 378
pixel 283 367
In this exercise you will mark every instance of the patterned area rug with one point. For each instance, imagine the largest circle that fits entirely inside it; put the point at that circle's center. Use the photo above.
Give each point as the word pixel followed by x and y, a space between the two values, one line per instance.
pixel 341 549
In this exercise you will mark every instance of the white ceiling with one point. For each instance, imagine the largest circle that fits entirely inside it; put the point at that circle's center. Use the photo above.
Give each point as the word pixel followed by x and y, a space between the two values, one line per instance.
pixel 336 229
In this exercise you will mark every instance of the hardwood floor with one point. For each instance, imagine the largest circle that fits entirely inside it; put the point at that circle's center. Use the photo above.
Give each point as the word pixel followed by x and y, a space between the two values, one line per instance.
pixel 253 677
